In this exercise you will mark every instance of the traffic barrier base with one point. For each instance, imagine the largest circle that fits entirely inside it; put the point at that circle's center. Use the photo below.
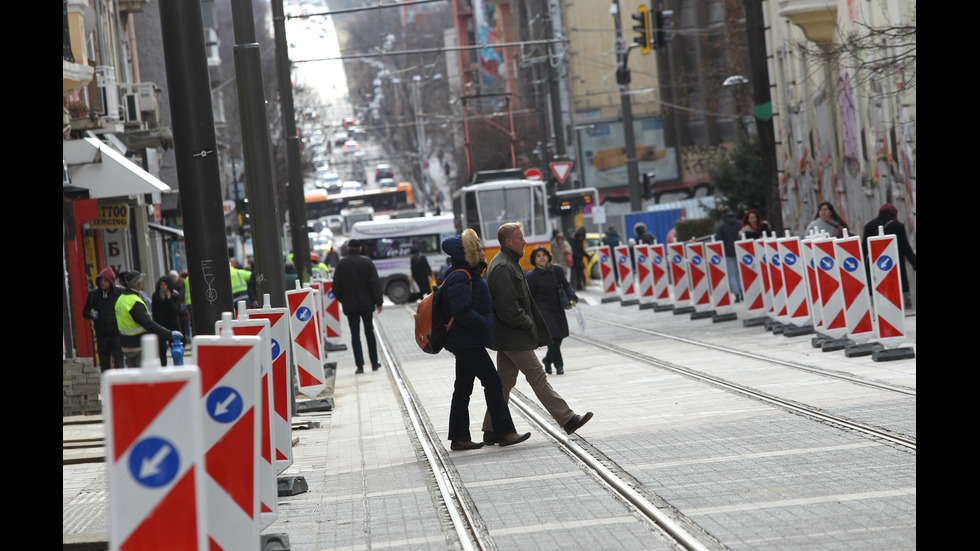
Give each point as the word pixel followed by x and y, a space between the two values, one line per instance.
pixel 882 354
pixel 717 318
pixel 866 349
pixel 752 322
pixel 314 404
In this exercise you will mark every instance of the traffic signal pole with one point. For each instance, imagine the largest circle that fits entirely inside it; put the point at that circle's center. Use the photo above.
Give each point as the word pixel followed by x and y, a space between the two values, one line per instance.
pixel 257 149
pixel 294 187
pixel 623 80
pixel 196 154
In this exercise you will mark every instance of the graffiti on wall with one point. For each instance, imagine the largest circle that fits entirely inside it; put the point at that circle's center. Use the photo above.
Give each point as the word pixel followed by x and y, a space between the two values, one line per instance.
pixel 489 31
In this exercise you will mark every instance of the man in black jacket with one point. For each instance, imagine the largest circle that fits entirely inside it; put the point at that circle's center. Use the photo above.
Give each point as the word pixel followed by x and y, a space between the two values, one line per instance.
pixel 100 308
pixel 358 288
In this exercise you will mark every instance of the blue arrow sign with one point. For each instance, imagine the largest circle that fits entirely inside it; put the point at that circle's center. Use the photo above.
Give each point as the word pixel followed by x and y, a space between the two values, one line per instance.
pixel 154 462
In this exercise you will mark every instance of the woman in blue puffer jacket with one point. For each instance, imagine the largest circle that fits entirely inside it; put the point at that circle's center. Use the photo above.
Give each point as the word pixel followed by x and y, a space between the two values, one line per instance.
pixel 465 299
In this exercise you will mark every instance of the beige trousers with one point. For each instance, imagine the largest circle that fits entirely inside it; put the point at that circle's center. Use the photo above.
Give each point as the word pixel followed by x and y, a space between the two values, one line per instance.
pixel 509 364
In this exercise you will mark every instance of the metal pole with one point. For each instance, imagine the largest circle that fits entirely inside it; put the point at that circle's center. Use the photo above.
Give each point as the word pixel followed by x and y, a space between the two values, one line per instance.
pixel 632 171
pixel 294 187
pixel 260 184
pixel 195 150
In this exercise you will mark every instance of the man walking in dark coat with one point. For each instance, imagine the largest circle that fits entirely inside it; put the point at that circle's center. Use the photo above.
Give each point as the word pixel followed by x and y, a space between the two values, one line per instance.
pixel 358 288
pixel 421 272
pixel 888 219
pixel 727 233
pixel 100 309
pixel 518 329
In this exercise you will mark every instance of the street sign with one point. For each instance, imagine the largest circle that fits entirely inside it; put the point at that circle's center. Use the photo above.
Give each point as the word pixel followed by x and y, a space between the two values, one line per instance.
pixel 561 170
pixel 534 174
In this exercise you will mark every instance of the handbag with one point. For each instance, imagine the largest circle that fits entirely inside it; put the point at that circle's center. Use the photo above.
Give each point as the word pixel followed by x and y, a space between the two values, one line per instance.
pixel 563 299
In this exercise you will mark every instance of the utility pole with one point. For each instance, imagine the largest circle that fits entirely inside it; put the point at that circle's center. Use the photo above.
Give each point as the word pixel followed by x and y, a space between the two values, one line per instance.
pixel 294 187
pixel 257 149
pixel 195 149
pixel 763 110
pixel 623 80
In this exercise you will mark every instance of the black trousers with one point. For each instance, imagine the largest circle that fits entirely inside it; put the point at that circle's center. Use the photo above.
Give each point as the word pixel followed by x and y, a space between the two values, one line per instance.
pixel 475 363
pixel 354 323
pixel 109 351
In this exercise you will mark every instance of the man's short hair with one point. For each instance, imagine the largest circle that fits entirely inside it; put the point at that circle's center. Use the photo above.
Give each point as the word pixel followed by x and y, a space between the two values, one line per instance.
pixel 506 231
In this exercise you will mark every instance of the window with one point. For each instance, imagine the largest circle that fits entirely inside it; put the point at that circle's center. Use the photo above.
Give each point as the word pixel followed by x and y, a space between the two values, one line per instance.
pixel 399 247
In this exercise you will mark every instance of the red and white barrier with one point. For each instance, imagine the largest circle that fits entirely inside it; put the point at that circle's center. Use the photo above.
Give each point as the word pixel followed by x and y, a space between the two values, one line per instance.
pixel 812 288
pixel 794 281
pixel 627 291
pixel 853 279
pixel 307 346
pixel 644 276
pixel 331 317
pixel 282 388
pixel 750 275
pixel 887 286
pixel 720 289
pixel 261 328
pixel 698 277
pixel 678 269
pixel 609 291
pixel 762 256
pixel 831 293
pixel 661 283
pixel 155 455
pixel 232 400
pixel 776 280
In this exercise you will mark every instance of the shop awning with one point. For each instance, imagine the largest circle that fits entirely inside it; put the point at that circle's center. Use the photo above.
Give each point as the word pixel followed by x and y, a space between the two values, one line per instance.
pixel 107 173
pixel 166 229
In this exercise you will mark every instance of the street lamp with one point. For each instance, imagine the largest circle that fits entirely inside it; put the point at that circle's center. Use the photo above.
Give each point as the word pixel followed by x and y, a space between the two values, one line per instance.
pixel 736 83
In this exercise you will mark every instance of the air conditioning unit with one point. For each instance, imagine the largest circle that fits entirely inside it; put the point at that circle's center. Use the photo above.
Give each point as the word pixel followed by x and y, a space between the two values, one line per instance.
pixel 141 102
pixel 105 79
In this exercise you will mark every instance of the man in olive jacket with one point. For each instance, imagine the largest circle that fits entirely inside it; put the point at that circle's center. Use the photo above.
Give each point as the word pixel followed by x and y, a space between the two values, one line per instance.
pixel 518 329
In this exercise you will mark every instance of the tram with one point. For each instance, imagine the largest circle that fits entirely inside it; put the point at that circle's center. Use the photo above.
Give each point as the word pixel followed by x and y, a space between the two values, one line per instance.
pixel 486 206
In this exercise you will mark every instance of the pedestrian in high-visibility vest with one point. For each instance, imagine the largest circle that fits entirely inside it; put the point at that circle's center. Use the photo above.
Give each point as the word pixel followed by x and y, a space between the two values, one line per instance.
pixel 239 285
pixel 320 269
pixel 133 319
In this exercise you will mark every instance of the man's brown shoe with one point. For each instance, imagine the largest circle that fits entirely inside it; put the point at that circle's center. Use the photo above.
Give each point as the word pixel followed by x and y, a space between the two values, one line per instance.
pixel 490 438
pixel 514 438
pixel 576 422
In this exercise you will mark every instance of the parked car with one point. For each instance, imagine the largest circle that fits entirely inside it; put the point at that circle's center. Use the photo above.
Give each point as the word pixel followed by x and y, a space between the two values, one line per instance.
pixel 340 138
pixel 592 242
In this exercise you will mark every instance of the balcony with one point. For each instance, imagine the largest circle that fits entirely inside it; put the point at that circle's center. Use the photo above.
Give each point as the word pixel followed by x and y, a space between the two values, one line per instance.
pixel 132 6
pixel 817 18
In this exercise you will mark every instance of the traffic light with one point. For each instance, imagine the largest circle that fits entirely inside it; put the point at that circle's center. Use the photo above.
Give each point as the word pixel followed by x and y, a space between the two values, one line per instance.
pixel 648 184
pixel 662 19
pixel 643 29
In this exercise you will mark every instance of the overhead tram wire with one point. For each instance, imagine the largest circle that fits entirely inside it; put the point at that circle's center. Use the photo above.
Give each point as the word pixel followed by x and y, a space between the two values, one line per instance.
pixel 434 50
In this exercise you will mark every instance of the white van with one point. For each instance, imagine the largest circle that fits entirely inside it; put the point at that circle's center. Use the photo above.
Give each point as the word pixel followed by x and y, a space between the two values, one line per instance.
pixel 389 243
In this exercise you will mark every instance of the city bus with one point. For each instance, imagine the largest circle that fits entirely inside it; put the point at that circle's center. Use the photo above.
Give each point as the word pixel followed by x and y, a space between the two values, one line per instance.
pixel 389 244
pixel 320 204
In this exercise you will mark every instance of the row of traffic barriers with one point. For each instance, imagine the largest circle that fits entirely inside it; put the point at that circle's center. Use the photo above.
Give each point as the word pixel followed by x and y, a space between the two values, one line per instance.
pixel 194 452
pixel 794 286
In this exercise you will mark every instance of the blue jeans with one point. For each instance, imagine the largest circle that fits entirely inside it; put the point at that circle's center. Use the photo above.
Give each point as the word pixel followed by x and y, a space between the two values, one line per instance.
pixel 733 280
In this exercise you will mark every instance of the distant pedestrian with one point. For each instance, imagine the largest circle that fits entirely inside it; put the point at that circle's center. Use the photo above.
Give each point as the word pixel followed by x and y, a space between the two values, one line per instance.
pixel 827 220
pixel 165 311
pixel 562 254
pixel 100 309
pixel 643 236
pixel 579 259
pixel 727 233
pixel 133 319
pixel 518 329
pixel 753 225
pixel 421 272
pixel 358 288
pixel 547 281
pixel 611 238
pixel 888 219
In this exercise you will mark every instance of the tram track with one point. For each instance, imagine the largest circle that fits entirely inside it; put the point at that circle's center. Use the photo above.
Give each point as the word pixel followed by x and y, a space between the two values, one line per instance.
pixel 758 357
pixel 755 394
pixel 466 521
